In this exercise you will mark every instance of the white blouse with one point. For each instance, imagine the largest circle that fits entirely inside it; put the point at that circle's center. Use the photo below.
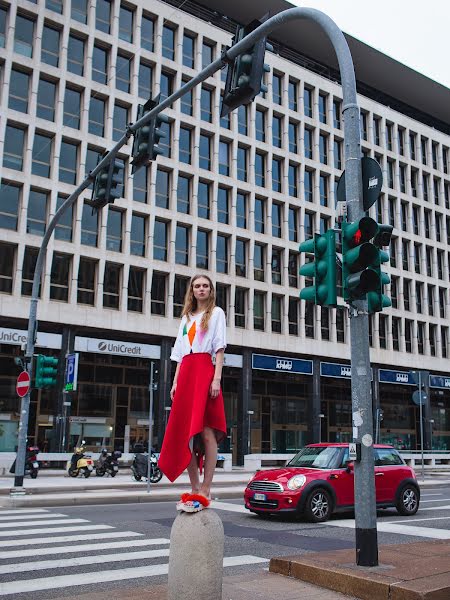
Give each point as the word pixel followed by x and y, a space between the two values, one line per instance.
pixel 193 339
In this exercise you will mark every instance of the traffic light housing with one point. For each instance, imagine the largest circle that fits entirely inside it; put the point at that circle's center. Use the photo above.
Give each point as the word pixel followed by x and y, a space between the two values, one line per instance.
pixel 322 269
pixel 105 189
pixel 245 72
pixel 361 262
pixel 46 370
pixel 147 137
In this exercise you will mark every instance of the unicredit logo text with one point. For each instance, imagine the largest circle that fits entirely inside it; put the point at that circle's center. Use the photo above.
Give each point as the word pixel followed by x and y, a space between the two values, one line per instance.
pixel 12 336
pixel 119 348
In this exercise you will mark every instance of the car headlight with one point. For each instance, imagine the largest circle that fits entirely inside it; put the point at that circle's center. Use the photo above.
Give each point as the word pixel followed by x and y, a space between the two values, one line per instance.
pixel 296 482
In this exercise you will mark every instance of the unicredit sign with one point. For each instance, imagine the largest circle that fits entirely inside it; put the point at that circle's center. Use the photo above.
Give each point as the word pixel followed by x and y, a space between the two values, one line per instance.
pixel 83 344
pixel 18 337
pixel 114 348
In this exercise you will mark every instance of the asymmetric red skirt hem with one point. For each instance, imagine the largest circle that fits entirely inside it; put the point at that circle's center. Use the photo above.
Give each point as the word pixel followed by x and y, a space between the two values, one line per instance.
pixel 192 410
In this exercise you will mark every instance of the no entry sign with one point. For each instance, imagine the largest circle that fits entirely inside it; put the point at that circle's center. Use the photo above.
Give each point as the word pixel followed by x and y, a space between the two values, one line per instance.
pixel 23 384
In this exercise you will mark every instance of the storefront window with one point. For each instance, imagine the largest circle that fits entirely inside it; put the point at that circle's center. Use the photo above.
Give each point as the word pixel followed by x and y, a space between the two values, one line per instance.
pixel 95 400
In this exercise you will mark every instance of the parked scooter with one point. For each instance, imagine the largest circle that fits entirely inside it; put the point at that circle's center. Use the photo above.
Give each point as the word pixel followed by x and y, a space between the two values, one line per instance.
pixel 80 464
pixel 108 463
pixel 31 463
pixel 139 466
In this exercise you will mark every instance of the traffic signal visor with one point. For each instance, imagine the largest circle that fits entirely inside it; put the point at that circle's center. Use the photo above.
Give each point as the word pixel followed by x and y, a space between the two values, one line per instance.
pixel 323 269
pixel 46 371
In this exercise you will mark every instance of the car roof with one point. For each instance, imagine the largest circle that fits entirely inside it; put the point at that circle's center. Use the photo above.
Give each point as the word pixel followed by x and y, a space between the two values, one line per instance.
pixel 343 445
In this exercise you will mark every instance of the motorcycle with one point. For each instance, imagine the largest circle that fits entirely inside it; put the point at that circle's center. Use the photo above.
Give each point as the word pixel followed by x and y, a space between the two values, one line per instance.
pixel 80 464
pixel 108 463
pixel 31 463
pixel 139 466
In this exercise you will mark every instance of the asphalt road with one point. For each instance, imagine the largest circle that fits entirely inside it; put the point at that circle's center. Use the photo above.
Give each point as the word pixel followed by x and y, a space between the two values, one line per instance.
pixel 112 547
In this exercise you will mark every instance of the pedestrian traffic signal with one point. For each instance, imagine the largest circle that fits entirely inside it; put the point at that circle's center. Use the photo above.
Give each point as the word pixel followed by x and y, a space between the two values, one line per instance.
pixel 361 262
pixel 245 72
pixel 46 370
pixel 322 269
pixel 376 300
pixel 147 137
pixel 105 189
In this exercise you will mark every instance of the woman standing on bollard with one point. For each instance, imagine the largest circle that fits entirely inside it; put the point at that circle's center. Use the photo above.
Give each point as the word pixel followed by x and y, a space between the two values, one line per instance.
pixel 197 418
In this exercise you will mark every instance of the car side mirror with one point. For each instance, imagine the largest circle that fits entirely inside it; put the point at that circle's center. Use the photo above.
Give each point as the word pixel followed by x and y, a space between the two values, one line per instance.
pixel 350 466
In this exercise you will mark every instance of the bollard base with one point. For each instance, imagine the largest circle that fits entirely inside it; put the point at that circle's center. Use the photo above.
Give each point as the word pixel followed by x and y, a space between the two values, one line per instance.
pixel 196 557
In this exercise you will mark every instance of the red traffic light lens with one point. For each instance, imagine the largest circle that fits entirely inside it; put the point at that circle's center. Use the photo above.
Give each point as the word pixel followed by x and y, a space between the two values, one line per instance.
pixel 357 237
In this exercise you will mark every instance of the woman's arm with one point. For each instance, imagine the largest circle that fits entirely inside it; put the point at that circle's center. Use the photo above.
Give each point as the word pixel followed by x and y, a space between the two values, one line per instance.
pixel 215 384
pixel 175 379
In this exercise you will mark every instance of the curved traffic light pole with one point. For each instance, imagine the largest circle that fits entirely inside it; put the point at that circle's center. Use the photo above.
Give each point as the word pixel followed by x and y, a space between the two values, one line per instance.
pixel 361 395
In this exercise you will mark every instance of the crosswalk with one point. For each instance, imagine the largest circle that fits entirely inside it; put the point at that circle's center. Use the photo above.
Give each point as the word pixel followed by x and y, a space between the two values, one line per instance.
pixel 33 559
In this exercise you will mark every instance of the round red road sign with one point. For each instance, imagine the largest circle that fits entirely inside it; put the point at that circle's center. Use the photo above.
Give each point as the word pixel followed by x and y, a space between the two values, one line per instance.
pixel 23 384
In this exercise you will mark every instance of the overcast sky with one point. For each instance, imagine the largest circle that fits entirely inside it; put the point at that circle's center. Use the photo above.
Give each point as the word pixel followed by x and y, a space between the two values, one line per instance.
pixel 412 32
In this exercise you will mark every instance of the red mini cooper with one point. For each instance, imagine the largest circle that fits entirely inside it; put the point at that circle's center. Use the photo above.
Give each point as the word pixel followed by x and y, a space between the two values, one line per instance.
pixel 319 480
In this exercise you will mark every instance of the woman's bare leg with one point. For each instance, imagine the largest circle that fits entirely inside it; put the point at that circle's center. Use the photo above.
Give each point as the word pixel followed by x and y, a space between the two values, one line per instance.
pixel 209 439
pixel 193 474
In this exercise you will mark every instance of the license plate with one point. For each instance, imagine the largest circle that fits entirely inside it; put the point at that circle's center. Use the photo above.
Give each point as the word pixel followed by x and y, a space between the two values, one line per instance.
pixel 35 465
pixel 115 468
pixel 261 497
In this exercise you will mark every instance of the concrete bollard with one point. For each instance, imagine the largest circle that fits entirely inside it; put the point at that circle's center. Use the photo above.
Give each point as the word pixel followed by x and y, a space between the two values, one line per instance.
pixel 196 557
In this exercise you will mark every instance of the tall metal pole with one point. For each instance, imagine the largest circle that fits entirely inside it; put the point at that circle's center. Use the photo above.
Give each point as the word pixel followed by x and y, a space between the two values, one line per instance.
pixel 421 421
pixel 150 426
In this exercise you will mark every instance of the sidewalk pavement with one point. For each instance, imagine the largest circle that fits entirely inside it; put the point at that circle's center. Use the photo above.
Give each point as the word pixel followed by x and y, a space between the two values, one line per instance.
pixel 52 490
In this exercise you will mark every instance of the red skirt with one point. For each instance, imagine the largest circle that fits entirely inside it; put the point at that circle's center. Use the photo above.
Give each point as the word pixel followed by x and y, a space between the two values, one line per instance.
pixel 192 410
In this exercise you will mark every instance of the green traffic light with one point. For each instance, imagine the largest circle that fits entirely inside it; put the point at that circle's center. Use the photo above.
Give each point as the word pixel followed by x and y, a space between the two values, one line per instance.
pixel 323 269
pixel 46 371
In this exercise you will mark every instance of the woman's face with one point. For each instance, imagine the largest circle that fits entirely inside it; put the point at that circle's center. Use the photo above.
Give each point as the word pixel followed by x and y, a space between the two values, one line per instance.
pixel 201 289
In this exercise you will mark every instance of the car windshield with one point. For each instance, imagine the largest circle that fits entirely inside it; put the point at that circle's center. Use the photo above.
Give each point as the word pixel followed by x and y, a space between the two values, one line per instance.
pixel 315 458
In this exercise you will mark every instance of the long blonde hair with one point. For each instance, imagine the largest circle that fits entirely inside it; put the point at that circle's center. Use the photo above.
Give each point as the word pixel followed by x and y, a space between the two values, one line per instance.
pixel 190 302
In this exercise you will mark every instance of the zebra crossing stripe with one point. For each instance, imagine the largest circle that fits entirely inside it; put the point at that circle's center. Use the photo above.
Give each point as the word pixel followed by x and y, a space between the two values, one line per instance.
pixel 15 524
pixel 60 539
pixel 44 530
pixel 20 511
pixel 64 581
pixel 28 517
pixel 81 548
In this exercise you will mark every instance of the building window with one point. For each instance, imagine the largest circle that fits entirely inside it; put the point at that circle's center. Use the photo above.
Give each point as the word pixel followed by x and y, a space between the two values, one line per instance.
pixel 419 297
pixel 277 89
pixel 396 333
pixel 293 224
pixel 432 334
pixel 37 212
pixel 72 109
pixel 382 329
pixel 206 100
pixel 376 131
pixel 68 163
pixel 75 55
pixel 79 11
pixel 308 185
pixel 323 186
pixel 259 262
pixel 259 309
pixel 425 187
pixel 114 230
pixel 222 294
pixel 126 24
pixel 18 91
pixel 97 116
pixel 87 273
pixel 309 320
pixel 187 102
pixel 41 157
pixel 63 230
pixel 160 240
pixel 145 81
pixel 276 266
pixel 7 262
pixel 243 119
pixel 168 42
pixel 293 269
pixel 222 254
pixel 260 125
pixel 182 245
pixel 60 277
pixel 323 149
pixel 184 194
pixel 162 189
pixel 158 294
pixel 293 137
pixel 420 338
pixel 277 173
pixel 241 258
pixel 188 51
pixel 103 15
pixel 402 176
pixel 123 73
pixel 13 148
pixel 203 200
pixel 337 154
pixel 207 54
pixel 408 335
pixel 204 152
pixel 292 95
pixel 307 102
pixel 224 158
pixel 50 46
pixel 293 180
pixel 9 206
pixel 444 341
pixel 45 108
pixel 260 169
pixel 240 302
pixel 308 143
pixel 202 259
pixel 180 287
pixel 137 235
pixel 277 131
pixel 28 269
pixel 136 280
pixel 401 141
pixel 185 145
pixel 89 226
pixel 340 325
pixel 242 159
pixel 100 65
pixel 389 136
pixel 260 215
pixel 293 316
pixel 337 111
pixel 112 285
pixel 147 31
pixel 120 122
pixel 325 323
pixel 241 210
pixel 24 36
pixel 276 220
pixel 276 313
pixel 166 85
pixel 223 203
pixel 322 108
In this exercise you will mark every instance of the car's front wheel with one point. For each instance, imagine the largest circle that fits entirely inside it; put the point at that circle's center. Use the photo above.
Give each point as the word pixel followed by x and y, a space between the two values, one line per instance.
pixel 318 506
pixel 408 500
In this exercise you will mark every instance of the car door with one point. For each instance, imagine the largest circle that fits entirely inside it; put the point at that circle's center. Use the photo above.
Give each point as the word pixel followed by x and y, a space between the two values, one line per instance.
pixel 387 466
pixel 343 481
